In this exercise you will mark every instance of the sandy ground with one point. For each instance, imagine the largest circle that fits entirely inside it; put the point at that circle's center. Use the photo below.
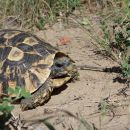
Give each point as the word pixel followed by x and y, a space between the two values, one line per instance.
pixel 82 97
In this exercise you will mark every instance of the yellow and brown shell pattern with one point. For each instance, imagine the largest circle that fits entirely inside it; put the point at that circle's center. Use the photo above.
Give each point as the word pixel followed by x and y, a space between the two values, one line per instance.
pixel 25 61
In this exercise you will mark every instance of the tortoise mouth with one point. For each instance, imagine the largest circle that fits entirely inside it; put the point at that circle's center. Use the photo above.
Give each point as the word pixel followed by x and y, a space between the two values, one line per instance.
pixel 59 81
pixel 61 76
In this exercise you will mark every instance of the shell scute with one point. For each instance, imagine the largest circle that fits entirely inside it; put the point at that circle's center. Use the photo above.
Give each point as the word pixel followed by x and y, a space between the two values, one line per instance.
pixel 25 47
pixel 4 52
pixel 19 38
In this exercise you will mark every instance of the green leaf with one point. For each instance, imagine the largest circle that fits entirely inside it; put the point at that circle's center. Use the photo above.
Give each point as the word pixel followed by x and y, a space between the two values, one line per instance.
pixel 20 92
pixel 8 99
pixel 41 23
pixel 128 31
pixel 6 107
pixel 13 90
pixel 125 66
pixel 24 93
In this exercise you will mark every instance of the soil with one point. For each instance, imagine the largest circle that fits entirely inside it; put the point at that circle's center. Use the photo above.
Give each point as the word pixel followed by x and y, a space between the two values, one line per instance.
pixel 83 97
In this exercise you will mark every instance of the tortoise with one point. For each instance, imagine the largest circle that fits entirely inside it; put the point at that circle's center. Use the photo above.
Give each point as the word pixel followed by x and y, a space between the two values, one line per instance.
pixel 29 62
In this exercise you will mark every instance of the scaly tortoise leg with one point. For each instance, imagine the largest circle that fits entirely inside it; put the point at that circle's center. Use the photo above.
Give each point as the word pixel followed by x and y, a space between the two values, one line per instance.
pixel 39 97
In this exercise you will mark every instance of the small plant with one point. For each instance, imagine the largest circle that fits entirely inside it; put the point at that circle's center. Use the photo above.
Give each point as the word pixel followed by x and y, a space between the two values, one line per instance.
pixel 5 110
pixel 19 92
pixel 126 9
pixel 6 107
pixel 125 68
pixel 104 108
pixel 122 45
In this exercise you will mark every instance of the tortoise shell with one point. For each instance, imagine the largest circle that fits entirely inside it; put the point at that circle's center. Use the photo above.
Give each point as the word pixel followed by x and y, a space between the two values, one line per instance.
pixel 25 61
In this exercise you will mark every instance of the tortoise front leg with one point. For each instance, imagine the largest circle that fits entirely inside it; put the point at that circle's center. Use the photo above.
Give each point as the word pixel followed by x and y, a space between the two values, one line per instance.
pixel 39 97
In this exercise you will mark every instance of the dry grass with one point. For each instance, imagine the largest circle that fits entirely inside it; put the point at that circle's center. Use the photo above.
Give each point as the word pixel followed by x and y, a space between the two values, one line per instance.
pixel 34 13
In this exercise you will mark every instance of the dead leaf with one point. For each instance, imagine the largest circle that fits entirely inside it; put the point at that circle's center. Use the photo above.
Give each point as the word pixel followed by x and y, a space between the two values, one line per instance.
pixel 64 40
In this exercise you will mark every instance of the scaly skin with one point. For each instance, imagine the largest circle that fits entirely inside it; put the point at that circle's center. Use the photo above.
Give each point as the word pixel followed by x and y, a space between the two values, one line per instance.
pixel 39 97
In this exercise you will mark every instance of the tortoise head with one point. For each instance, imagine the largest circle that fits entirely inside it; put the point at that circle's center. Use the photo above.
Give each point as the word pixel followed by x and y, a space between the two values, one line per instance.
pixel 63 69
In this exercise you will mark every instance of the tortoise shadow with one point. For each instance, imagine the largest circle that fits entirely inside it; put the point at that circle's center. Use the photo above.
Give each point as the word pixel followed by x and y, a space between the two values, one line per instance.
pixel 57 91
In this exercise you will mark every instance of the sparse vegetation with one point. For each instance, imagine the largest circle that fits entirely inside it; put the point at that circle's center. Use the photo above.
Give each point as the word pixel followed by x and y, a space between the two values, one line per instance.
pixel 31 13
pixel 113 36
pixel 6 107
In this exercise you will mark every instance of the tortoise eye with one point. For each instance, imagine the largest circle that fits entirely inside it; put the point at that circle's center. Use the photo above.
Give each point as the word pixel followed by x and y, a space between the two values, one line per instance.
pixel 59 65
